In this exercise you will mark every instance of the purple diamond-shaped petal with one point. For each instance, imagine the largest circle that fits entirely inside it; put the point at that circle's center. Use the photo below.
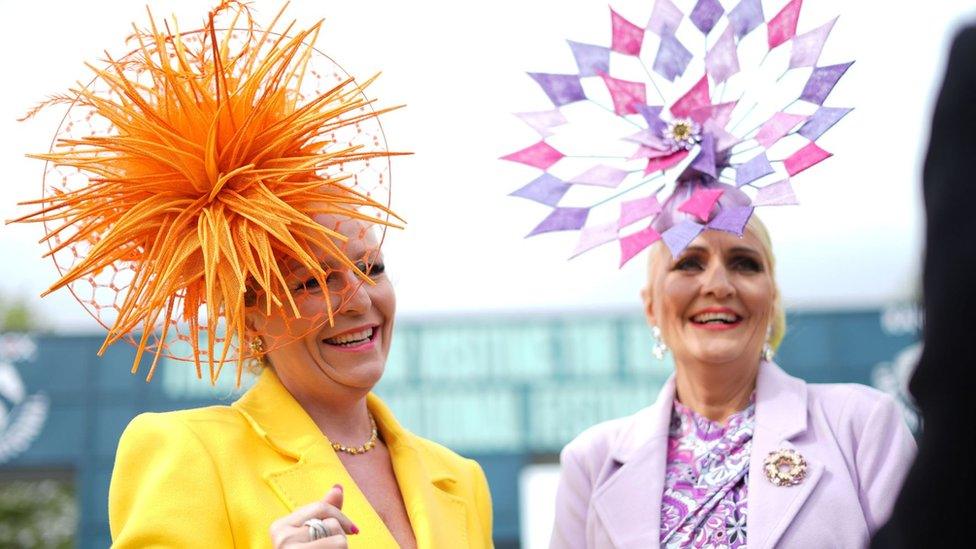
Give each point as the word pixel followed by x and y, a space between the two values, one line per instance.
pixel 752 170
pixel 665 18
pixel 591 60
pixel 821 121
pixel 731 220
pixel 652 115
pixel 822 81
pixel 562 219
pixel 705 14
pixel 722 61
pixel 679 236
pixel 746 16
pixel 705 161
pixel 561 88
pixel 544 189
pixel 672 58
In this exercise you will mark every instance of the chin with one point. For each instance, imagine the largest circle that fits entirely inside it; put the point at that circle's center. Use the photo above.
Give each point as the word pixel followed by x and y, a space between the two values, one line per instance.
pixel 367 376
pixel 719 355
pixel 362 374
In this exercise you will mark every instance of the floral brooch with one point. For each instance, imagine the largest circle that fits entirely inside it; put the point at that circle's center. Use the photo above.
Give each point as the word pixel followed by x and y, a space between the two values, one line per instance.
pixel 785 467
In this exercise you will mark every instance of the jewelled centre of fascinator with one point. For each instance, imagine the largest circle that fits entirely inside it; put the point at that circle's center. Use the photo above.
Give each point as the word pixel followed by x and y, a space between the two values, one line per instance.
pixel 682 120
pixel 785 467
pixel 682 133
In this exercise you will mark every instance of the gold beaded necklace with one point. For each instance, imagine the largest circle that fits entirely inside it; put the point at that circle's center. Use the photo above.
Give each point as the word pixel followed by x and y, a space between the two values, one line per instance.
pixel 367 446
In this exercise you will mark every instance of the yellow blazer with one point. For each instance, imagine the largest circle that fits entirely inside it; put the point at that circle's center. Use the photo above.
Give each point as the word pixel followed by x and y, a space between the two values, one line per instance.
pixel 218 477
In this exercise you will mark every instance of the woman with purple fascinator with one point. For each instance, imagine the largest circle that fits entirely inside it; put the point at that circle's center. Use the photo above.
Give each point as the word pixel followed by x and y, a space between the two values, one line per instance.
pixel 734 452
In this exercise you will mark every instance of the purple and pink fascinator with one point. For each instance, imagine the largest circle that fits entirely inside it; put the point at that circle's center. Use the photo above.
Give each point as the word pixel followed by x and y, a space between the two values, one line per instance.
pixel 683 124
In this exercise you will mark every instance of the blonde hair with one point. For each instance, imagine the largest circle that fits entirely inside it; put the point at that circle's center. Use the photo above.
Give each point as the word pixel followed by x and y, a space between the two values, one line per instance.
pixel 777 322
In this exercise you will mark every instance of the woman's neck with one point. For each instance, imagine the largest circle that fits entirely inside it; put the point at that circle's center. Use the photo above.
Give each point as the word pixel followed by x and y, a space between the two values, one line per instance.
pixel 345 421
pixel 714 391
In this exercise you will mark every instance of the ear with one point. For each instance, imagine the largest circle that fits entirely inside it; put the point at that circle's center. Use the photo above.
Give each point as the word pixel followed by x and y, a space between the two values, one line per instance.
pixel 648 305
pixel 253 322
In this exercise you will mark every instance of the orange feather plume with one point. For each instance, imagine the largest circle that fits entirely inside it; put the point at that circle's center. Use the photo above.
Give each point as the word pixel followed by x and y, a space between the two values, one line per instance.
pixel 209 178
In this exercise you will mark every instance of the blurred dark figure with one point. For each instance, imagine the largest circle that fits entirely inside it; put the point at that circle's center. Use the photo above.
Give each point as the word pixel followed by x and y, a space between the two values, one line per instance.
pixel 936 503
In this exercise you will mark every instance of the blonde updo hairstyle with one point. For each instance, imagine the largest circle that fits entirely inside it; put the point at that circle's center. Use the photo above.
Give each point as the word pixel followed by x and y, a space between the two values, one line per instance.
pixel 660 255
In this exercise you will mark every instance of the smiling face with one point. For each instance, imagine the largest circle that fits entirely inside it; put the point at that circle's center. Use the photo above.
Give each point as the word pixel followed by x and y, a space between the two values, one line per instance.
pixel 715 302
pixel 348 357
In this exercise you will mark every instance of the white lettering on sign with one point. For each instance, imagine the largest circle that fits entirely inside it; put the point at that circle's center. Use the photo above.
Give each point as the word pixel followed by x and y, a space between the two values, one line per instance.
pixel 22 415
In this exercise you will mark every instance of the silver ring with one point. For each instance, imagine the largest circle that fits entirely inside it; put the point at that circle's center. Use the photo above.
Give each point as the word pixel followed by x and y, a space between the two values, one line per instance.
pixel 317 529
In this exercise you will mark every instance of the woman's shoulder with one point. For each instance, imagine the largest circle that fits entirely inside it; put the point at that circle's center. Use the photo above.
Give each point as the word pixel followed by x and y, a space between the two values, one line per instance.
pixel 598 438
pixel 220 414
pixel 849 400
pixel 199 423
pixel 857 413
pixel 596 443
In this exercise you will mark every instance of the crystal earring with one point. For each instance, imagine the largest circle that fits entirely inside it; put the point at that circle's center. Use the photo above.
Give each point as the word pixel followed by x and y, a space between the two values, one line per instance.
pixel 257 350
pixel 659 347
pixel 767 352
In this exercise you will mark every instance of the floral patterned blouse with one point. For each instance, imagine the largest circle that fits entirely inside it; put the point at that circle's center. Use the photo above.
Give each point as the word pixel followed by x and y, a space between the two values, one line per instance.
pixel 705 489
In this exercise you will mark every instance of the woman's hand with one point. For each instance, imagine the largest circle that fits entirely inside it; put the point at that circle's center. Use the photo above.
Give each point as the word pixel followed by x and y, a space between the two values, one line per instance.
pixel 292 531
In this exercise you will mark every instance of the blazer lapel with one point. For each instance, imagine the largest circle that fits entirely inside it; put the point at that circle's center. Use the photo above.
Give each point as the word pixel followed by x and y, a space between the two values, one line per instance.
pixel 781 415
pixel 628 503
pixel 310 467
pixel 437 516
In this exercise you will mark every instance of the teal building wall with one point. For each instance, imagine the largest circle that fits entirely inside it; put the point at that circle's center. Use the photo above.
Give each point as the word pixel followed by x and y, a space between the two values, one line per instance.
pixel 506 390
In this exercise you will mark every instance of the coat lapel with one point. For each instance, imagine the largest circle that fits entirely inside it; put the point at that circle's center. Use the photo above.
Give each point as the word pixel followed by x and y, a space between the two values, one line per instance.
pixel 309 467
pixel 781 415
pixel 628 503
pixel 437 516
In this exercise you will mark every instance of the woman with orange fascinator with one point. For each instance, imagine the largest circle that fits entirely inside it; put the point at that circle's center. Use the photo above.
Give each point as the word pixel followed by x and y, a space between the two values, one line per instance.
pixel 222 194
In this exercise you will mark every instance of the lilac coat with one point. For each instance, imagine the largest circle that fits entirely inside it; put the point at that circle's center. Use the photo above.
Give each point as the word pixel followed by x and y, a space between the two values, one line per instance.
pixel 855 441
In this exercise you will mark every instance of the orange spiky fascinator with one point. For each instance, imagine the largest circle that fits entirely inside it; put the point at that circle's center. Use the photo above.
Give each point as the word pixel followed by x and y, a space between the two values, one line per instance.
pixel 182 185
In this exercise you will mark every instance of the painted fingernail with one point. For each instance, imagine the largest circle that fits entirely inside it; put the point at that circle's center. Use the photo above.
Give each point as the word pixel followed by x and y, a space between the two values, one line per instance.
pixel 353 529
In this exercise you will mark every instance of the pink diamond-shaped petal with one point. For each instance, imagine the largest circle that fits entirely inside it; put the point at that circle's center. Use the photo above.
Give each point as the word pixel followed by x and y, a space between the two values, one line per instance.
pixel 649 152
pixel 776 194
pixel 541 121
pixel 776 127
pixel 782 26
pixel 632 245
pixel 601 176
pixel 802 159
pixel 540 155
pixel 596 235
pixel 701 202
pixel 627 96
pixel 717 114
pixel 698 96
pixel 627 37
pixel 635 210
pixel 664 162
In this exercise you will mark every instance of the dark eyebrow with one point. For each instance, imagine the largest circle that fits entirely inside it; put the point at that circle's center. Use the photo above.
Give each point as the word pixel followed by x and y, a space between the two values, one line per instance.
pixel 301 271
pixel 745 250
pixel 295 267
pixel 690 250
pixel 734 250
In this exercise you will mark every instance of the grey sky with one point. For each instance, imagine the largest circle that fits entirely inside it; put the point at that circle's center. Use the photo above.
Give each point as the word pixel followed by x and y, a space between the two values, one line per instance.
pixel 460 68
